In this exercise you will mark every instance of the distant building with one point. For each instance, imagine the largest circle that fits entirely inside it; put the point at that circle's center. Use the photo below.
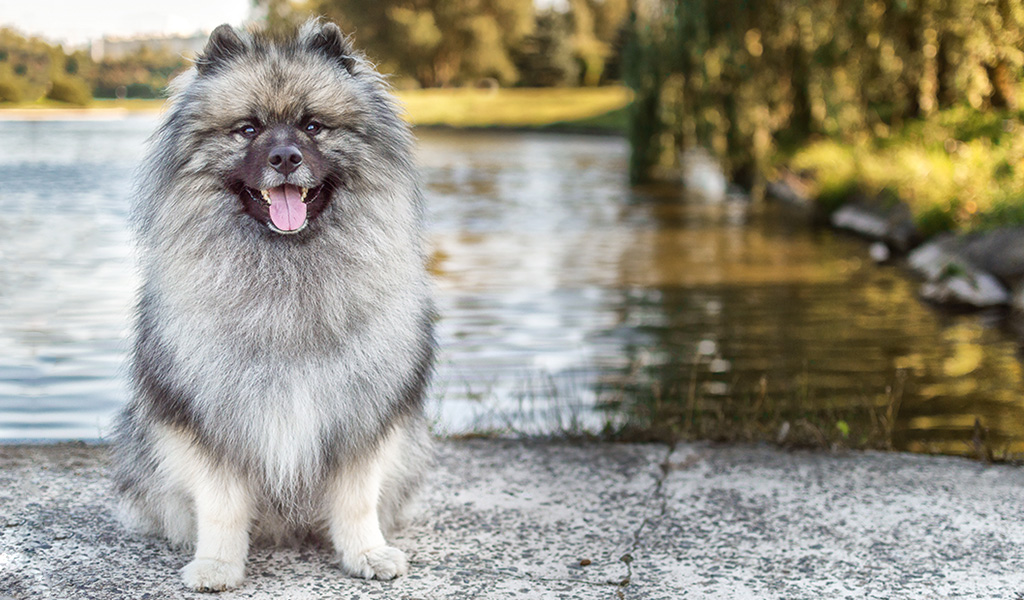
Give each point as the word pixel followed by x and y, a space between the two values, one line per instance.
pixel 115 48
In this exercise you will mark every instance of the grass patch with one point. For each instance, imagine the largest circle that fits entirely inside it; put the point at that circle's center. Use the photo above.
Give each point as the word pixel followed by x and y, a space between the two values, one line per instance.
pixel 634 408
pixel 518 107
pixel 642 406
pixel 96 104
pixel 960 170
pixel 583 109
pixel 793 417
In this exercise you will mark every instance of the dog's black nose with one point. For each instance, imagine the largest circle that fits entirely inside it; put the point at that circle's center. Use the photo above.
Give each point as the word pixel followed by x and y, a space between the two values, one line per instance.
pixel 285 159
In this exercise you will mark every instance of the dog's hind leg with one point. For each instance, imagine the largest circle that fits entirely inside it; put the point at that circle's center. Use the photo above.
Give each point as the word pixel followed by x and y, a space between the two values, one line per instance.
pixel 223 508
pixel 353 518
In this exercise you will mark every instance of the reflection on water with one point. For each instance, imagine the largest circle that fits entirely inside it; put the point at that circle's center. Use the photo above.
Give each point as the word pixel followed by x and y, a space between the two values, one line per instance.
pixel 556 277
pixel 556 283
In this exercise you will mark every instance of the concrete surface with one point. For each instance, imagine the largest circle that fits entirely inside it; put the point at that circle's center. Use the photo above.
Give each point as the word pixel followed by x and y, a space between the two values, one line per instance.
pixel 506 519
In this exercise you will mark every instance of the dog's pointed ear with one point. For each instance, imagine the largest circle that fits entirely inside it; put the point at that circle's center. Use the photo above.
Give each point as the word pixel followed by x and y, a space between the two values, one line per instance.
pixel 222 45
pixel 332 43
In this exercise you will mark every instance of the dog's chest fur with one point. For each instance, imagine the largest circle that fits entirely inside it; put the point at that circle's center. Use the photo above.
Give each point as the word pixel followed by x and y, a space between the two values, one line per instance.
pixel 285 354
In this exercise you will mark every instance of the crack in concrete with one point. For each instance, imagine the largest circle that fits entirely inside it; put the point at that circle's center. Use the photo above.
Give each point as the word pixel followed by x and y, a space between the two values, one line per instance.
pixel 665 468
pixel 532 578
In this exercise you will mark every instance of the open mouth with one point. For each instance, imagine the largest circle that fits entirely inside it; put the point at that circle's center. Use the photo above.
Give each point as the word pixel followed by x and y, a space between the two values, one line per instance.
pixel 285 207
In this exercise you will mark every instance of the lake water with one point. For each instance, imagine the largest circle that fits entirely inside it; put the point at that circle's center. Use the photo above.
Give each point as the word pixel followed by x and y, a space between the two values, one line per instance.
pixel 563 294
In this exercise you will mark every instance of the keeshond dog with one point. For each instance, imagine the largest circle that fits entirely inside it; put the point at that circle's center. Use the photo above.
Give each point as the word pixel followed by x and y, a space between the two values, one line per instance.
pixel 283 336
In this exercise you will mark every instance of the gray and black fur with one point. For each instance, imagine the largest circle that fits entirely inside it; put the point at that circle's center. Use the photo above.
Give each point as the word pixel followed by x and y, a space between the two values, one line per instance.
pixel 278 375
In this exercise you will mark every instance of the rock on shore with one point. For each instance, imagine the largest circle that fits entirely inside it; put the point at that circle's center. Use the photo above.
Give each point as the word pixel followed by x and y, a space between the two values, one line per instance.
pixel 979 270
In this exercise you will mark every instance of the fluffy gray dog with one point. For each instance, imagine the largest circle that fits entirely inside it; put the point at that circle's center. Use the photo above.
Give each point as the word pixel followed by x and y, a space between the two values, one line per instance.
pixel 284 329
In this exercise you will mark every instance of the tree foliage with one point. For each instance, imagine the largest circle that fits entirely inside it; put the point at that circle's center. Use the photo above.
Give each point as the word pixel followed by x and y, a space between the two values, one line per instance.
pixel 438 42
pixel 31 69
pixel 144 74
pixel 458 42
pixel 741 77
pixel 430 42
pixel 27 66
pixel 545 58
pixel 72 90
pixel 596 25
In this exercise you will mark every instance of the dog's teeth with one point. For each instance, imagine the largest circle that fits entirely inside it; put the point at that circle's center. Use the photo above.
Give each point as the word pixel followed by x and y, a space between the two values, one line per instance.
pixel 266 196
pixel 304 192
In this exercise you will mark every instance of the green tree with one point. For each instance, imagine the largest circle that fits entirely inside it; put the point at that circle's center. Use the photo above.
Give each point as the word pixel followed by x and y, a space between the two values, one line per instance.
pixel 69 89
pixel 32 63
pixel 438 42
pixel 141 75
pixel 280 17
pixel 545 58
pixel 740 77
pixel 10 86
pixel 596 27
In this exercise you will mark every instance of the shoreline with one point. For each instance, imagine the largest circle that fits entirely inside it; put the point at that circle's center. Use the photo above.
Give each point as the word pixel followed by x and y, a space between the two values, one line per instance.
pixel 120 113
pixel 73 114
pixel 570 110
pixel 959 270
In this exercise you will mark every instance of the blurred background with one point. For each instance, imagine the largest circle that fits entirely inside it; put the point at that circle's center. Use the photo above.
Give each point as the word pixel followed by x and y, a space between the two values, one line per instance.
pixel 638 211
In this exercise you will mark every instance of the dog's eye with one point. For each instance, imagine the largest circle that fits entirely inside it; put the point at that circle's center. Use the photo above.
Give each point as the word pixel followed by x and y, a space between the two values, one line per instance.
pixel 313 127
pixel 248 130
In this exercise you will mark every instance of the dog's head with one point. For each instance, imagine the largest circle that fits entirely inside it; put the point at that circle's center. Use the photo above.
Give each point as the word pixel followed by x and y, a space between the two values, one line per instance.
pixel 287 127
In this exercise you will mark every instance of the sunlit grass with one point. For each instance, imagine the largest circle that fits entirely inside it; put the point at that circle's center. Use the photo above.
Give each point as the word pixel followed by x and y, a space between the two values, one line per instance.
pixel 960 170
pixel 131 104
pixel 592 108
pixel 515 107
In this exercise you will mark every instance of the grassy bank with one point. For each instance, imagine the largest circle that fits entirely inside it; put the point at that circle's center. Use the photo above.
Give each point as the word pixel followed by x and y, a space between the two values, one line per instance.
pixel 633 408
pixel 601 109
pixel 598 108
pixel 960 170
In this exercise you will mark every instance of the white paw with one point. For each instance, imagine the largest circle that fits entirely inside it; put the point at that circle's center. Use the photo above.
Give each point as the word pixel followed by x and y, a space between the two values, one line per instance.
pixel 211 575
pixel 385 562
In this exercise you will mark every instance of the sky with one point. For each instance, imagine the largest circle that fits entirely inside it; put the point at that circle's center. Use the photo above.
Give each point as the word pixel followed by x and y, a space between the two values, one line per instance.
pixel 75 22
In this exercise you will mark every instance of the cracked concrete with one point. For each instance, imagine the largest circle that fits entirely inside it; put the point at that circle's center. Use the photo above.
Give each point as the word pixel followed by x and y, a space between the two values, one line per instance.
pixel 740 522
pixel 505 519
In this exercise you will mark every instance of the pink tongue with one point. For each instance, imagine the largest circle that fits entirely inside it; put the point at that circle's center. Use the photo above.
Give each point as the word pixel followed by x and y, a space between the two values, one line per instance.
pixel 287 211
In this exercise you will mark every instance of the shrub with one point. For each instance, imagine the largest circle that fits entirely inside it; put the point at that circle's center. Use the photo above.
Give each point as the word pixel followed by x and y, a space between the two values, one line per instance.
pixel 139 90
pixel 937 219
pixel 71 90
pixel 10 91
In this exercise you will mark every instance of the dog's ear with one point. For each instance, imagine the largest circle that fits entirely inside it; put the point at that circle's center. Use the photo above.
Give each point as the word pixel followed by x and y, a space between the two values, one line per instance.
pixel 223 44
pixel 332 43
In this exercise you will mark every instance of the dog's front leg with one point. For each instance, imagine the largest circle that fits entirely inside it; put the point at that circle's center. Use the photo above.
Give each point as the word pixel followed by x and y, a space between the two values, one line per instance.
pixel 223 511
pixel 222 541
pixel 354 522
